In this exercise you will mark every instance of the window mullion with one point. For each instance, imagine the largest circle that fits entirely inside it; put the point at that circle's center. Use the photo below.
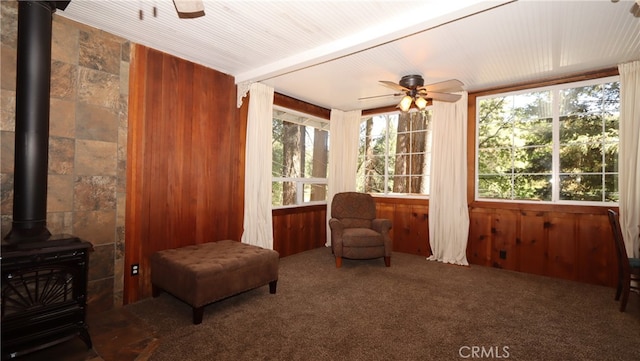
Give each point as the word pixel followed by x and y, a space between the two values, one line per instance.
pixel 386 156
pixel 555 163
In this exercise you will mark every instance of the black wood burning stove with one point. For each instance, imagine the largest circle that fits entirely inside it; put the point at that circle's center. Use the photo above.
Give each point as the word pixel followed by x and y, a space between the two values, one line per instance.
pixel 44 277
pixel 44 294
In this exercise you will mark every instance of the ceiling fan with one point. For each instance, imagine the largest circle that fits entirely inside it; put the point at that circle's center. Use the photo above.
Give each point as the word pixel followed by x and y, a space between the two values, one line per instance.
pixel 189 9
pixel 415 92
pixel 635 8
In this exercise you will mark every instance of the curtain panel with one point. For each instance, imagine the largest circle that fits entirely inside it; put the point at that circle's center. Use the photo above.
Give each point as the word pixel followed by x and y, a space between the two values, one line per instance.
pixel 448 209
pixel 629 155
pixel 344 133
pixel 258 224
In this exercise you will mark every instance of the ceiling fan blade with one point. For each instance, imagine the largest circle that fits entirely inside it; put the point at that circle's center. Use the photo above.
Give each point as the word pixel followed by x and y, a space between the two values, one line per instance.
pixel 189 9
pixel 381 96
pixel 452 85
pixel 635 9
pixel 443 97
pixel 392 85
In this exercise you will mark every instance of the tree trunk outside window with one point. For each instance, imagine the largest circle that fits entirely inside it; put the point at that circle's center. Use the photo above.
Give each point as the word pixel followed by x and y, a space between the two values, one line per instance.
pixel 319 166
pixel 292 140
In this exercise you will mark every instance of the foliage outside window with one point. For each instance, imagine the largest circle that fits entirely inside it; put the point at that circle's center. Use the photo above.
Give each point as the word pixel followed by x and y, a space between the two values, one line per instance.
pixel 552 144
pixel 394 153
pixel 300 146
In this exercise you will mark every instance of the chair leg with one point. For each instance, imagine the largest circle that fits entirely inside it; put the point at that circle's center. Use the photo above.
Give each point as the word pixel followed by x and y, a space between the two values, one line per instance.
pixel 625 297
pixel 338 262
pixel 620 285
pixel 155 291
pixel 618 291
pixel 198 312
pixel 387 261
pixel 625 294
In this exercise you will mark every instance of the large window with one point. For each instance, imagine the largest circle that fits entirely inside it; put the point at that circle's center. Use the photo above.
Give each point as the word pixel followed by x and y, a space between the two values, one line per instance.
pixel 300 153
pixel 394 154
pixel 553 144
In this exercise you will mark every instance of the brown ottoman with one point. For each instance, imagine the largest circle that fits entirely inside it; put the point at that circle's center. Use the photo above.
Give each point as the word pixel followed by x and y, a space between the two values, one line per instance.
pixel 208 272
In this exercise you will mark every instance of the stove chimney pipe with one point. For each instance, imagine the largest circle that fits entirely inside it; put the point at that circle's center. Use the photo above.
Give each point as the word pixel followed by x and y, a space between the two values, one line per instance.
pixel 33 82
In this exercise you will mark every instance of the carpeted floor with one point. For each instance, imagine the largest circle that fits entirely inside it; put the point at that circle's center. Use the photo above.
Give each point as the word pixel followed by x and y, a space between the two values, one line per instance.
pixel 414 310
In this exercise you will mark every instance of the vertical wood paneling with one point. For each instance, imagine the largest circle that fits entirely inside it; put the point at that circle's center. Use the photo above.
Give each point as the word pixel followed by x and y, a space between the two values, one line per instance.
pixel 479 242
pixel 596 253
pixel 420 231
pixel 136 198
pixel 299 229
pixel 410 224
pixel 402 230
pixel 182 181
pixel 571 245
pixel 504 229
pixel 561 246
pixel 532 243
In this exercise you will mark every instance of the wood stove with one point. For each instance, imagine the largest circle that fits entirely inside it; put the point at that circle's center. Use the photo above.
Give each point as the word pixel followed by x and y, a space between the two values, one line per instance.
pixel 44 277
pixel 44 294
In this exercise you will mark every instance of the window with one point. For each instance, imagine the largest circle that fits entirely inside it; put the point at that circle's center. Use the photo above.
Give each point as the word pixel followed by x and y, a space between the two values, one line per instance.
pixel 395 153
pixel 553 144
pixel 300 153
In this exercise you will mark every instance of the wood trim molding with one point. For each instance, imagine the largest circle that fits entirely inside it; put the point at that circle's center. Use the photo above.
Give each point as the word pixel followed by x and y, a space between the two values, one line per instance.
pixel 603 73
pixel 301 106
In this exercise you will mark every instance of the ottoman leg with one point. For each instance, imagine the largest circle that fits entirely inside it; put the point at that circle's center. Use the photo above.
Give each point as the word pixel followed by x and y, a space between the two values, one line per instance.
pixel 197 315
pixel 155 291
pixel 272 286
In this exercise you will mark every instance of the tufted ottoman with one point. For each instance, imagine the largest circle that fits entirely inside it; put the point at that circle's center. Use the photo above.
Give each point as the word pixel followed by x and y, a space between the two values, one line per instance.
pixel 208 272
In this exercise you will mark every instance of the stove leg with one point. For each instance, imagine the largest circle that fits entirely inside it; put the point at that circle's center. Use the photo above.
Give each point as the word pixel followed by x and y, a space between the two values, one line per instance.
pixel 84 336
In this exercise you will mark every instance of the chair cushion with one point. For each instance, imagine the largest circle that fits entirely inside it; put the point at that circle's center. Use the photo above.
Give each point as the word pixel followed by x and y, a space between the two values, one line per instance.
pixel 361 237
pixel 634 262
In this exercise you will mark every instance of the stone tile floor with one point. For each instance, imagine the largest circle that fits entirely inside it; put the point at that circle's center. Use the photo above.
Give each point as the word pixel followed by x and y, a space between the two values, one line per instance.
pixel 117 335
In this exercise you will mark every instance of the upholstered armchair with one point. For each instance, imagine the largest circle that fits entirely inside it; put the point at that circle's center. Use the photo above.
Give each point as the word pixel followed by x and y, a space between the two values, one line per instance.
pixel 356 233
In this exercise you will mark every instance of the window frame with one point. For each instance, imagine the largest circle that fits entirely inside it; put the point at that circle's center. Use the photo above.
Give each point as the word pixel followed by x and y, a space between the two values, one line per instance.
pixel 555 89
pixel 310 121
pixel 427 155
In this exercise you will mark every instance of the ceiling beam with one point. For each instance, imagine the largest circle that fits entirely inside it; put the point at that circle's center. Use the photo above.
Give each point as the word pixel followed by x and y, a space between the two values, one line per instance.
pixel 425 16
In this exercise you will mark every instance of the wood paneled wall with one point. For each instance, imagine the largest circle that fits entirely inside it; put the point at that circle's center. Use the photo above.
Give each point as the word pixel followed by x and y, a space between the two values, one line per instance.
pixel 410 223
pixel 186 175
pixel 185 161
pixel 299 229
pixel 573 243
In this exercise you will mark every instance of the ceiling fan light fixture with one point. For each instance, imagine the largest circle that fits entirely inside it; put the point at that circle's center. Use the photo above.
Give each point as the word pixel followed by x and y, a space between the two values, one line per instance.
pixel 405 103
pixel 421 102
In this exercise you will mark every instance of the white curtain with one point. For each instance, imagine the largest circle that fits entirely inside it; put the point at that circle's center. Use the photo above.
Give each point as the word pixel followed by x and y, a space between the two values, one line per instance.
pixel 629 155
pixel 448 210
pixel 258 227
pixel 344 132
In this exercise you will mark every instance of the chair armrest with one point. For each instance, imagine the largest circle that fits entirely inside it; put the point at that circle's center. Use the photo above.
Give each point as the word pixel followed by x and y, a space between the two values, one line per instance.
pixel 336 225
pixel 337 229
pixel 381 225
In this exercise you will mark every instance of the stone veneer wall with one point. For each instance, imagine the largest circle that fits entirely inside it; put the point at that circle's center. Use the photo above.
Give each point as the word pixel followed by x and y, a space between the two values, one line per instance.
pixel 87 146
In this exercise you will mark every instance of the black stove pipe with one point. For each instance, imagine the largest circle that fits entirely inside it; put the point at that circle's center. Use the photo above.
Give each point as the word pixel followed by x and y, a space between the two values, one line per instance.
pixel 33 82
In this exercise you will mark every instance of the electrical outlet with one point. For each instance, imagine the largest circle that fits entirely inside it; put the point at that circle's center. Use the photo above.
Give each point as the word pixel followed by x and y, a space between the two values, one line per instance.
pixel 135 269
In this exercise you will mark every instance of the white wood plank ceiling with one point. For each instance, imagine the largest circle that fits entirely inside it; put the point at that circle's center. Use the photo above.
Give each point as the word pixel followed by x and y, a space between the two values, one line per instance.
pixel 330 53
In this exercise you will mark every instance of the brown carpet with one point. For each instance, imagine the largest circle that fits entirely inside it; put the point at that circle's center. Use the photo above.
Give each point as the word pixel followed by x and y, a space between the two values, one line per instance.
pixel 414 310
